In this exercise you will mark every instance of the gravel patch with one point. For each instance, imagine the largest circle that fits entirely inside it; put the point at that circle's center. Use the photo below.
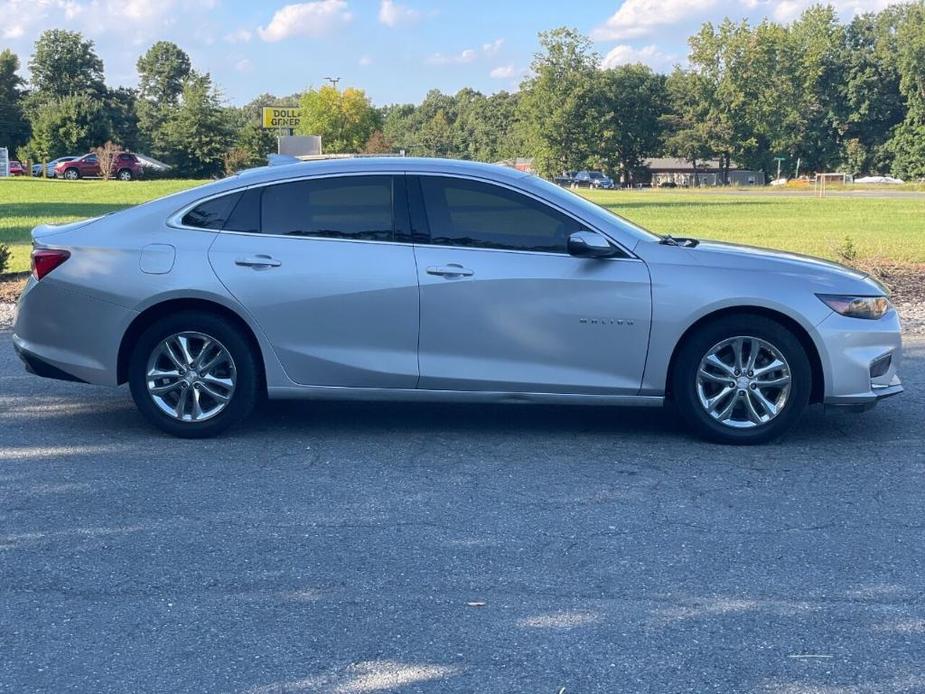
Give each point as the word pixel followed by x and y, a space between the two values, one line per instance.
pixel 7 315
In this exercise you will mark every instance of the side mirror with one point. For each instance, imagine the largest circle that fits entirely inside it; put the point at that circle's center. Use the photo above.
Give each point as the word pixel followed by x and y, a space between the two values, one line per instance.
pixel 590 244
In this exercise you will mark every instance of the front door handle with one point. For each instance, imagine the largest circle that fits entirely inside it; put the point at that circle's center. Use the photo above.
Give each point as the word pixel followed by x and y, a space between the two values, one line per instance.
pixel 451 270
pixel 258 262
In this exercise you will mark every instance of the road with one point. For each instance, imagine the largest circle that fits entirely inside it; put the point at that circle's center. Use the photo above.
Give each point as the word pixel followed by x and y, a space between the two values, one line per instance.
pixel 375 548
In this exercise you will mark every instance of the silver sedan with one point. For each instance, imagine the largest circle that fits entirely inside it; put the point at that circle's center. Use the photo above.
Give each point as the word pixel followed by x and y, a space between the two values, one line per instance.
pixel 417 279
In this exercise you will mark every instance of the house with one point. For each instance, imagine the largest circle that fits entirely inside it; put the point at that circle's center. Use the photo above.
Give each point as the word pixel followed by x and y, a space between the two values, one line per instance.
pixel 666 171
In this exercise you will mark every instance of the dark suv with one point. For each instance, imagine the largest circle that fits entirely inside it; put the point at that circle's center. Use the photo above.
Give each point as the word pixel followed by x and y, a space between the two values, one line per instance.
pixel 125 167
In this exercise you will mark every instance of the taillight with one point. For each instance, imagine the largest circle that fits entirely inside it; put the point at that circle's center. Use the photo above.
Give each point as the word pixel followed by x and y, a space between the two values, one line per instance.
pixel 44 260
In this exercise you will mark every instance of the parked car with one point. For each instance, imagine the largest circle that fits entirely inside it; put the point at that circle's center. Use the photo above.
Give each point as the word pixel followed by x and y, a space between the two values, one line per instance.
pixel 424 279
pixel 16 168
pixel 50 169
pixel 565 179
pixel 592 179
pixel 125 167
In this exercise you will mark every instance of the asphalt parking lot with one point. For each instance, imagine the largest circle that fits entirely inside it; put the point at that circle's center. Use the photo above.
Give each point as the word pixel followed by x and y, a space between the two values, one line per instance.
pixel 375 548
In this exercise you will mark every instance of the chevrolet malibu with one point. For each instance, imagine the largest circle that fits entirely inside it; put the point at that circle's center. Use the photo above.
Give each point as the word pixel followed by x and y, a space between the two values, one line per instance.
pixel 417 279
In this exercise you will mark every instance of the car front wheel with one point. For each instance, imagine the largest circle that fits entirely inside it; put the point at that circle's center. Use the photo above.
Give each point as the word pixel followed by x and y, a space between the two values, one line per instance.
pixel 193 375
pixel 741 380
pixel 72 174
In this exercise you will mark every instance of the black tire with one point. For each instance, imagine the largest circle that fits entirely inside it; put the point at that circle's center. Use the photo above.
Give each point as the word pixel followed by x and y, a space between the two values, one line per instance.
pixel 246 389
pixel 125 175
pixel 698 344
pixel 72 174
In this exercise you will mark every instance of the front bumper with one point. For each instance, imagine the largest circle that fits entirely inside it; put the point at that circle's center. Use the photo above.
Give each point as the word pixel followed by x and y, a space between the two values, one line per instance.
pixel 851 350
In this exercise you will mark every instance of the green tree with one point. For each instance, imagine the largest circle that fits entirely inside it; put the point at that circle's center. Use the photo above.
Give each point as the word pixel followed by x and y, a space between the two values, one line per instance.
pixel 688 136
pixel 163 71
pixel 556 109
pixel 14 129
pixel 632 101
pixel 120 106
pixel 67 125
pixel 64 63
pixel 345 120
pixel 908 141
pixel 197 131
pixel 873 101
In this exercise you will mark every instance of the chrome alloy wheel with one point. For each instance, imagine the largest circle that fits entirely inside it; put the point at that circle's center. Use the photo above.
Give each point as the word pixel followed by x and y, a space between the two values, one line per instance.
pixel 743 382
pixel 191 376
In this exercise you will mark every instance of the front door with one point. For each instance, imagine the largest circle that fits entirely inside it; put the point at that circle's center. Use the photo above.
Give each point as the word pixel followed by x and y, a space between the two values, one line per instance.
pixel 505 308
pixel 319 265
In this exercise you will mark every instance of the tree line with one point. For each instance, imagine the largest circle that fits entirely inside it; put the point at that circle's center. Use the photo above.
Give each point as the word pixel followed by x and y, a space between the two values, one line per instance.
pixel 819 94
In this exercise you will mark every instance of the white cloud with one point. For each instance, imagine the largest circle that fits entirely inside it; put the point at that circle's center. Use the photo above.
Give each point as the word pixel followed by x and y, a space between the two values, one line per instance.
pixel 503 72
pixel 467 56
pixel 628 55
pixel 239 36
pixel 311 19
pixel 788 10
pixel 493 47
pixel 365 60
pixel 470 55
pixel 636 18
pixel 392 14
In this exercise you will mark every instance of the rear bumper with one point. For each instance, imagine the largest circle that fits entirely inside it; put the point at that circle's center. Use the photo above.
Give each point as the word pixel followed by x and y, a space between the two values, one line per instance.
pixel 36 365
pixel 66 334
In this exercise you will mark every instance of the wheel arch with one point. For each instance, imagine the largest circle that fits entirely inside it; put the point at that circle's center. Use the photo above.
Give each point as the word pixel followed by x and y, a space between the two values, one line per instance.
pixel 164 308
pixel 817 393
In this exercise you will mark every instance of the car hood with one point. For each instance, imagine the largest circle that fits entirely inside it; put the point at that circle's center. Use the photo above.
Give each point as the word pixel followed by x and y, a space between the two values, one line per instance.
pixel 821 275
pixel 825 273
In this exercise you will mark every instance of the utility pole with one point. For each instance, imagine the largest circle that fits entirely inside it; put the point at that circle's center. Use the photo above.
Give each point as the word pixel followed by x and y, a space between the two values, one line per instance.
pixel 333 81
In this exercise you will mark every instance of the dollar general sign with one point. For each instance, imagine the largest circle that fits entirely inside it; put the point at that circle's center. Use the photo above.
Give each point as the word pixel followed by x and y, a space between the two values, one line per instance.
pixel 281 117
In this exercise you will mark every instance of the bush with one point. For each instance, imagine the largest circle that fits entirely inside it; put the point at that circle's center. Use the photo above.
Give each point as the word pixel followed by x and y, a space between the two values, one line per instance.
pixel 4 257
pixel 106 156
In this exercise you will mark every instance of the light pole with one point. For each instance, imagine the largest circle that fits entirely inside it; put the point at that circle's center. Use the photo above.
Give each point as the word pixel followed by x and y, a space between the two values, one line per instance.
pixel 333 81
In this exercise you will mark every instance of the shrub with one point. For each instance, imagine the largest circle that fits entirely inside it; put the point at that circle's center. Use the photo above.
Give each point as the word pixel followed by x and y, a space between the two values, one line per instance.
pixel 4 257
pixel 106 156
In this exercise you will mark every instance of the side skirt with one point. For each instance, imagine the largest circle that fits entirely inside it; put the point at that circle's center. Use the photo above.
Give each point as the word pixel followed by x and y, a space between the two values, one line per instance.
pixel 476 396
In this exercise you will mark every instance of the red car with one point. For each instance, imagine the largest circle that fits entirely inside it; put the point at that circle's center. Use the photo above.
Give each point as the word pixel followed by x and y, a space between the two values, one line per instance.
pixel 125 167
pixel 16 168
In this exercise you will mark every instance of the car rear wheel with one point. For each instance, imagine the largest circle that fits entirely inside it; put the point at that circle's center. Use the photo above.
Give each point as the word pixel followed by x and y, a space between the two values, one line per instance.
pixel 125 175
pixel 72 174
pixel 193 375
pixel 741 380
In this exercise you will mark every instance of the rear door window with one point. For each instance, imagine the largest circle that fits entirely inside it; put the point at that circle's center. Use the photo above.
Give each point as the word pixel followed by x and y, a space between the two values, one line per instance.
pixel 347 207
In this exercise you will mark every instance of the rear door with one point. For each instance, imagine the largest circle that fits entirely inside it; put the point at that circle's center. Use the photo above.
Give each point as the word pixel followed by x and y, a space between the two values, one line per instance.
pixel 504 307
pixel 324 267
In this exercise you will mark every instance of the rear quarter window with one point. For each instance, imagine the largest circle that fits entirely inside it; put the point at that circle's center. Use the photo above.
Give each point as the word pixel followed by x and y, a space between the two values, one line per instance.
pixel 211 214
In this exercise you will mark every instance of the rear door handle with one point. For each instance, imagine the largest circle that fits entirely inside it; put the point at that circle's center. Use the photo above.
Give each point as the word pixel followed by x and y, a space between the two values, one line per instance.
pixel 451 270
pixel 258 262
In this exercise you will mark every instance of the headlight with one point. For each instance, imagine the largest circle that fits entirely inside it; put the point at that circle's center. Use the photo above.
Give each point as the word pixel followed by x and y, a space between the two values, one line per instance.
pixel 868 307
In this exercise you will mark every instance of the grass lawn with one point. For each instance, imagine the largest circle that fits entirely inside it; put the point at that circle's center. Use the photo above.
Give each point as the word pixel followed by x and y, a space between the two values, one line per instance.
pixel 27 202
pixel 888 228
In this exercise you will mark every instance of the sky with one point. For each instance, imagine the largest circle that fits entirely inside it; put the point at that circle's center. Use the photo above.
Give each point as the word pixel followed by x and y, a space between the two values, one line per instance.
pixel 396 50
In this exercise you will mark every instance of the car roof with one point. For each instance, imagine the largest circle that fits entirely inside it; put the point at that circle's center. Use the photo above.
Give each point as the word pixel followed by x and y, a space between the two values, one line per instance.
pixel 380 165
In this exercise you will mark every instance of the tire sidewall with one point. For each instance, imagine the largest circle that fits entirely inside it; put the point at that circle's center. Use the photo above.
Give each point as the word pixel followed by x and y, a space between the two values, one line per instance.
pixel 684 388
pixel 246 388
